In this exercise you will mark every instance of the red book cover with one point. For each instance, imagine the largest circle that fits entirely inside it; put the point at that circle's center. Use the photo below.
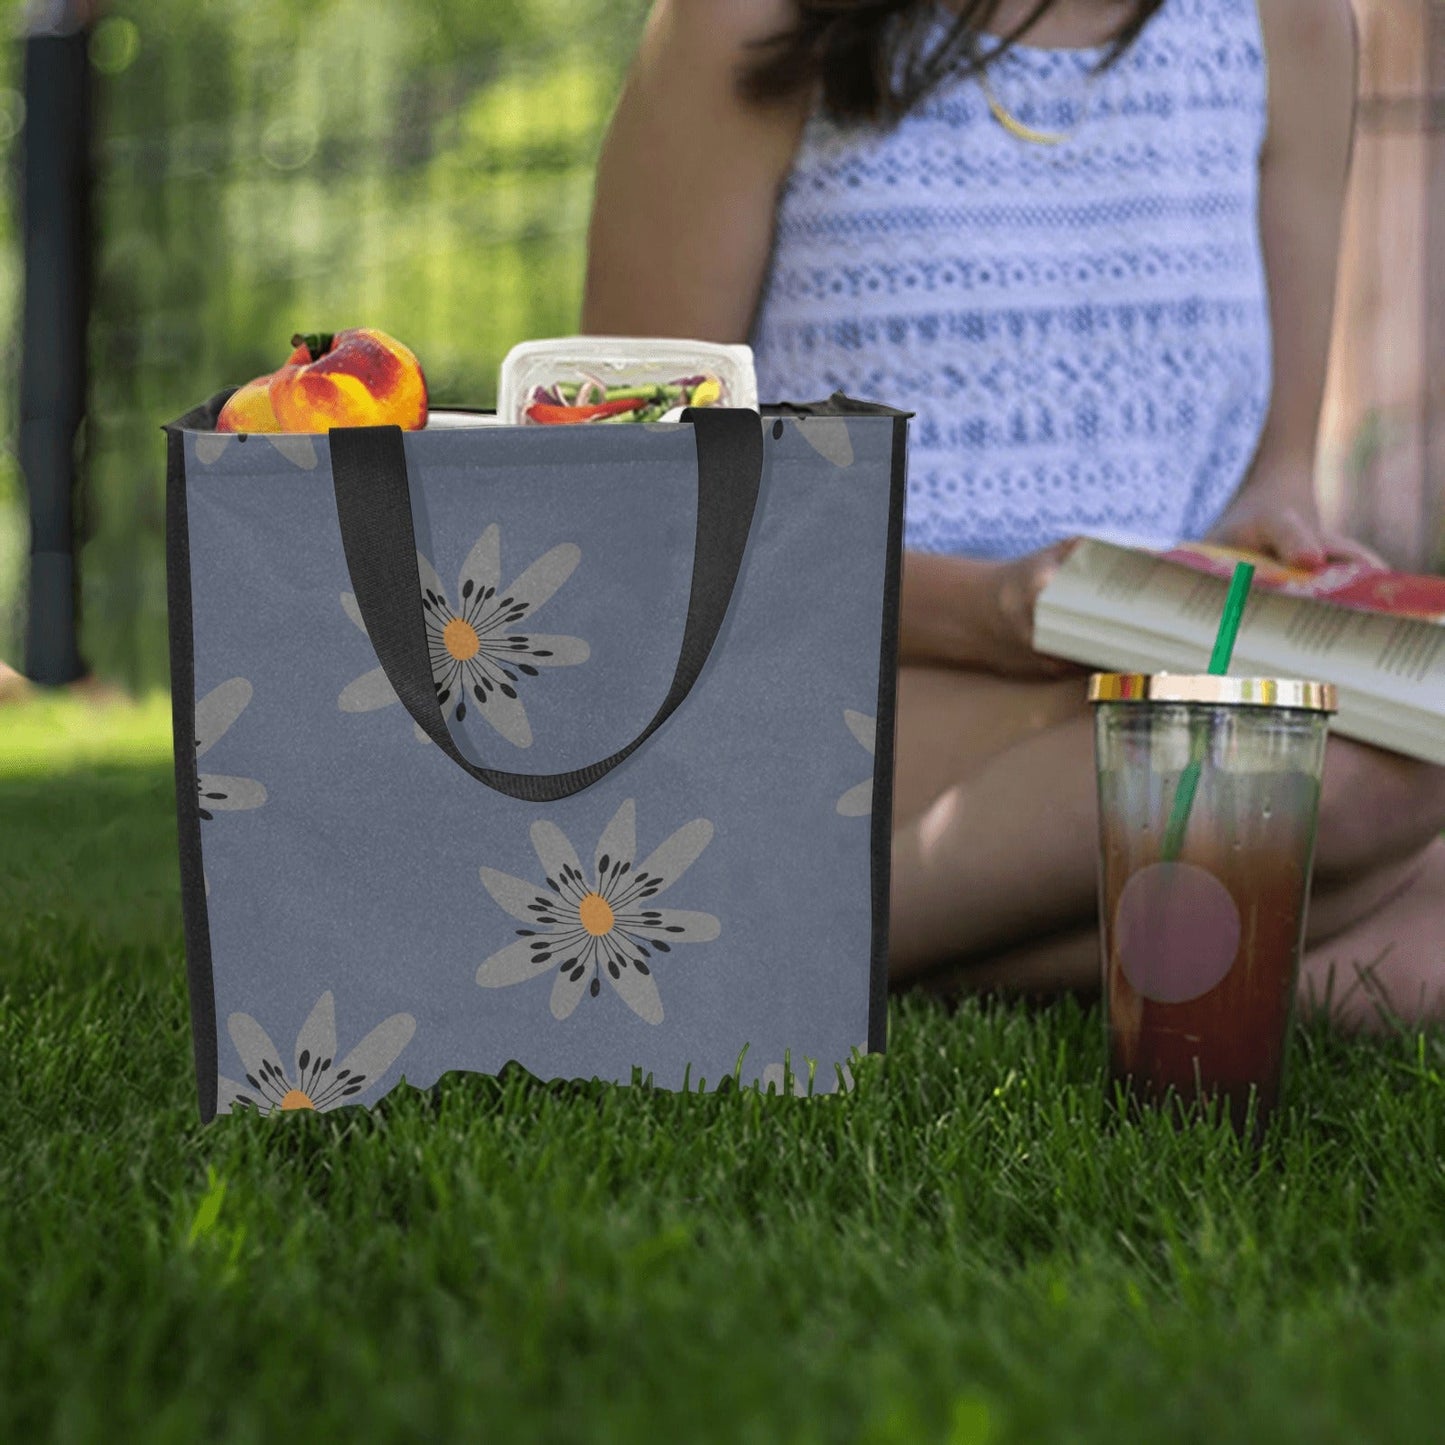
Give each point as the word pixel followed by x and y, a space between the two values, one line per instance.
pixel 1356 585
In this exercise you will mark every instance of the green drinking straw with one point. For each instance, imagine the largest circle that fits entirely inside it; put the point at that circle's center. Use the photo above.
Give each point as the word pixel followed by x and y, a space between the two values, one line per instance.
pixel 1218 667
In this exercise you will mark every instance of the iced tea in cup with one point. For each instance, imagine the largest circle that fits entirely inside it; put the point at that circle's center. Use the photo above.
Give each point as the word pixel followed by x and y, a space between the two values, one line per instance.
pixel 1202 898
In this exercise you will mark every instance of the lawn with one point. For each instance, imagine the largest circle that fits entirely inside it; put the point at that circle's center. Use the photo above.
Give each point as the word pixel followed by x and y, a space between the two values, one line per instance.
pixel 962 1250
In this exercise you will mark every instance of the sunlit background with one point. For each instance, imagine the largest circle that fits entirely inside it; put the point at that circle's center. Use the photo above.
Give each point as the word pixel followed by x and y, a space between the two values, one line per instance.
pixel 265 166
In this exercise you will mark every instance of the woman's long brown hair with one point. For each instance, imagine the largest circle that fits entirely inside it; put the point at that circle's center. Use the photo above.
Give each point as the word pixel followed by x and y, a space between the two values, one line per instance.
pixel 870 57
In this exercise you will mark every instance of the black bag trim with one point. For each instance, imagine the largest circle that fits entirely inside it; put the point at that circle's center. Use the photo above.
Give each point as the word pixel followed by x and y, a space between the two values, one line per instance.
pixel 839 404
pixel 373 505
pixel 200 979
pixel 881 871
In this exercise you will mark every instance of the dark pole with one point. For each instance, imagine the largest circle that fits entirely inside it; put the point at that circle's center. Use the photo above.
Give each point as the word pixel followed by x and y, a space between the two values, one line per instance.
pixel 55 220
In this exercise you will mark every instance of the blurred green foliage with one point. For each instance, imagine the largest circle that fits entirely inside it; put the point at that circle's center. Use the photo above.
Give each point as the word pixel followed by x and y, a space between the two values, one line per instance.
pixel 423 166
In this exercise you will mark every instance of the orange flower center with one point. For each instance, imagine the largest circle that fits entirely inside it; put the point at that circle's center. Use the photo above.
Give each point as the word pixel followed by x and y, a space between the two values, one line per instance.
pixel 461 639
pixel 596 914
pixel 296 1100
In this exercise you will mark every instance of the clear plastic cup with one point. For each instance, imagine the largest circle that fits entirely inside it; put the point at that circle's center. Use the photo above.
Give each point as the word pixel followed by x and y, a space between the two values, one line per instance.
pixel 1203 928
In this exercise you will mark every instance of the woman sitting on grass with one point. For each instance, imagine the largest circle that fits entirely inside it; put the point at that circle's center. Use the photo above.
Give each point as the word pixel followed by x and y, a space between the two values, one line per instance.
pixel 1092 244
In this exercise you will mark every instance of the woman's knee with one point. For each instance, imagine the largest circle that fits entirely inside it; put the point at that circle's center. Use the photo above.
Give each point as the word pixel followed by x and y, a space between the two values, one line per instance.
pixel 1376 808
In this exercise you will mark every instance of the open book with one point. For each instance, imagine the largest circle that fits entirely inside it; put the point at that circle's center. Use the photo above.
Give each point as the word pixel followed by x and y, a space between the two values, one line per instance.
pixel 1378 636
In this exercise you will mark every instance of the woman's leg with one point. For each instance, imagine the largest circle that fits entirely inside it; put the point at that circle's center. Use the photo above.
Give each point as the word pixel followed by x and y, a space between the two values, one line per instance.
pixel 1387 965
pixel 948 723
pixel 999 870
pixel 1003 856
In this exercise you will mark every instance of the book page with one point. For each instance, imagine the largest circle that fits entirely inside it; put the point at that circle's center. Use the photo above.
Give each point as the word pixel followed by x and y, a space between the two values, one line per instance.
pixel 1137 590
pixel 1395 657
pixel 1142 605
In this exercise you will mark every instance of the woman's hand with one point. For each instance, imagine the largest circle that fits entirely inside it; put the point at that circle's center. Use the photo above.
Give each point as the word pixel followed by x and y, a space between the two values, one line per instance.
pixel 1286 527
pixel 960 612
pixel 1008 620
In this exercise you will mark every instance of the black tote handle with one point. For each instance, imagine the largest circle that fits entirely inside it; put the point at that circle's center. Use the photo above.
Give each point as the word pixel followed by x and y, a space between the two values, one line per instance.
pixel 373 504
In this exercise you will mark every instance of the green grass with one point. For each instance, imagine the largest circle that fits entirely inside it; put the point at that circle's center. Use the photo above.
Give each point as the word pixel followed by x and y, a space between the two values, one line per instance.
pixel 960 1251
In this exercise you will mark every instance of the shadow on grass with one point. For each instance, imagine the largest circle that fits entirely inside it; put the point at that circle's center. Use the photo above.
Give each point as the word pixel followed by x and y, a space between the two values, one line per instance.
pixel 90 848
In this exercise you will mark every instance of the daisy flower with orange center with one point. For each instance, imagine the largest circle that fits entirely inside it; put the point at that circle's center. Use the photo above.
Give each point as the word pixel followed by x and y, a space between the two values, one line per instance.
pixel 483 650
pixel 317 1080
pixel 598 924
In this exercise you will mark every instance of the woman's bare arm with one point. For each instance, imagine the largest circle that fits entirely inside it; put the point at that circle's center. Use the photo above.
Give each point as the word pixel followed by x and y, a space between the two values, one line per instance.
pixel 682 225
pixel 682 219
pixel 1312 53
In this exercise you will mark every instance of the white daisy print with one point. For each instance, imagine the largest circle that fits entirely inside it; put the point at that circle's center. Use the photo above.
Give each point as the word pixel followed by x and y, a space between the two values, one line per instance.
pixel 828 436
pixel 313 1083
pixel 857 802
pixel 586 927
pixel 211 447
pixel 214 715
pixel 478 660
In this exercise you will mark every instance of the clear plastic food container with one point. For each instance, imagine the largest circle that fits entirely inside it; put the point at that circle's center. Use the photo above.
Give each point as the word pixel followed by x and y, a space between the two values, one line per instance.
pixel 454 418
pixel 632 378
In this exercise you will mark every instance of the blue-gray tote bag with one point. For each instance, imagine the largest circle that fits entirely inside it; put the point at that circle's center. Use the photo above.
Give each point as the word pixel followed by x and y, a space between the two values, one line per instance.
pixel 565 746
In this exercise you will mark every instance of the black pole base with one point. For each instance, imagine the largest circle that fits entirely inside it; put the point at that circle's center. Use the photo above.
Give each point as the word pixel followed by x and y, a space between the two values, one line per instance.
pixel 52 656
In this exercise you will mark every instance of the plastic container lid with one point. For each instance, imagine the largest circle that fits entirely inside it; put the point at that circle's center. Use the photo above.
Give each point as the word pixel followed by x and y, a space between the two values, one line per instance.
pixel 1213 691
pixel 622 361
pixel 442 419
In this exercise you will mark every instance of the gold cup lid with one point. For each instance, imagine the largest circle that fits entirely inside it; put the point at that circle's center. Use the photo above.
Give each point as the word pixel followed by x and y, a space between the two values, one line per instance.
pixel 1213 691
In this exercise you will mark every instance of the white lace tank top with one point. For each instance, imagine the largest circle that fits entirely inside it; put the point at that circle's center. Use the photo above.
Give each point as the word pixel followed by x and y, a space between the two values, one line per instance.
pixel 1082 329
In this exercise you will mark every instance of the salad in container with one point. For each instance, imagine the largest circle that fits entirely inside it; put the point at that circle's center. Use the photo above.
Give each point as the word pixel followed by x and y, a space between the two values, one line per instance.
pixel 613 380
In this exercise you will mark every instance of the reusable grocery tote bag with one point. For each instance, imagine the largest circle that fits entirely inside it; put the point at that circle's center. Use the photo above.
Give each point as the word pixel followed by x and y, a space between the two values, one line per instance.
pixel 569 746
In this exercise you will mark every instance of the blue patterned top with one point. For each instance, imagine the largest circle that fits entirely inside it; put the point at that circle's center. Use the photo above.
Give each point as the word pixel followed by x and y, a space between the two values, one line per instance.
pixel 1082 329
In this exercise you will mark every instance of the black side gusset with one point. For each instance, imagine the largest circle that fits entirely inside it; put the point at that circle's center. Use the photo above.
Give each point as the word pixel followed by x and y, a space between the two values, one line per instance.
pixel 200 981
pixel 882 820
